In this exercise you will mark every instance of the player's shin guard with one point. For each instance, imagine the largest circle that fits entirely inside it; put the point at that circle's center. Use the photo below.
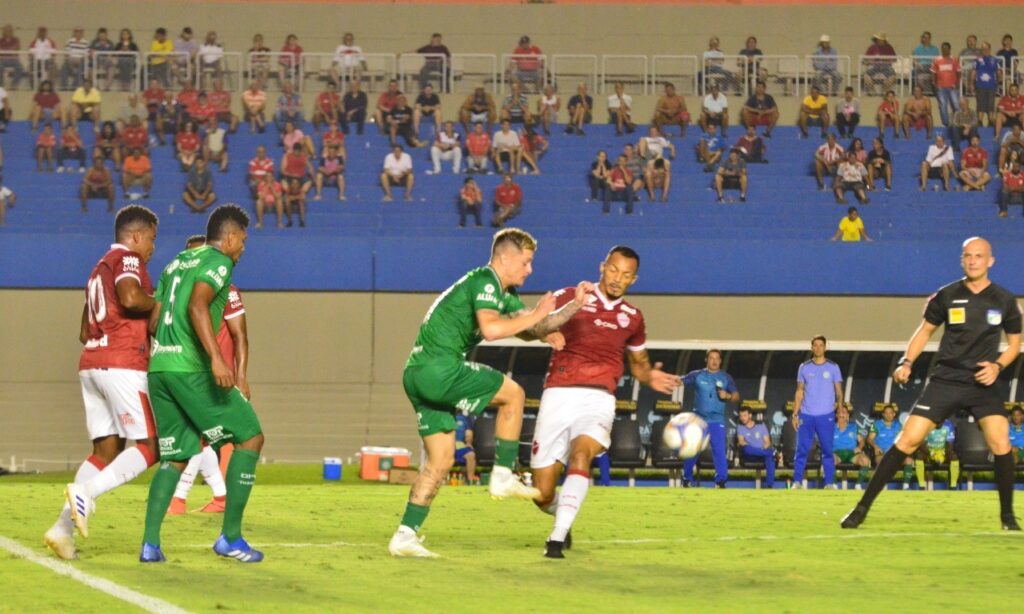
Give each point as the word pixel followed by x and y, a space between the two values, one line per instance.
pixel 240 479
pixel 188 477
pixel 1004 482
pixel 506 451
pixel 160 492
pixel 123 469
pixel 209 466
pixel 414 516
pixel 570 498
pixel 887 467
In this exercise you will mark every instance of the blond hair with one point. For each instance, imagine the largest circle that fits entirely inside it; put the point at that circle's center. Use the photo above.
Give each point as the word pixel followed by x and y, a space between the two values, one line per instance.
pixel 516 237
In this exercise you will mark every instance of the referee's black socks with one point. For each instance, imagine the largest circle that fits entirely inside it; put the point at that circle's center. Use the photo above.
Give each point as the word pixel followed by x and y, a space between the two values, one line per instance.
pixel 891 462
pixel 1004 482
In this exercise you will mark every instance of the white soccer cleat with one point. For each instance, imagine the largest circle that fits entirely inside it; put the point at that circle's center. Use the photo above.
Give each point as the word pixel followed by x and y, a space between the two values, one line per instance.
pixel 408 544
pixel 82 506
pixel 505 484
pixel 62 544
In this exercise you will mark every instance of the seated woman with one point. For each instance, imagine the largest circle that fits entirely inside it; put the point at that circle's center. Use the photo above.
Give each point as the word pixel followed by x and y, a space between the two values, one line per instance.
pixel 215 148
pixel 108 145
pixel 188 144
pixel 331 173
pixel 45 106
pixel 46 145
pixel 71 146
pixel 533 147
pixel 598 177
pixel 292 135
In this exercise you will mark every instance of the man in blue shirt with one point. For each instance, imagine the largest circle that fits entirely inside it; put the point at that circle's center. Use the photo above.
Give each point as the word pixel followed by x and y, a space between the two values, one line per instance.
pixel 464 454
pixel 755 442
pixel 883 436
pixel 923 55
pixel 1017 434
pixel 848 444
pixel 818 391
pixel 986 79
pixel 713 389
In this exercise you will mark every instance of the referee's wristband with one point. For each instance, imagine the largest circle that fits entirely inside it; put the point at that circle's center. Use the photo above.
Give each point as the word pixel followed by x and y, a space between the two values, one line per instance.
pixel 905 361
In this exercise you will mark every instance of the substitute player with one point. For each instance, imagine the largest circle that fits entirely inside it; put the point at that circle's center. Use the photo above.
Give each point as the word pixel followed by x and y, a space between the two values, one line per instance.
pixel 483 304
pixel 112 371
pixel 193 388
pixel 578 405
pixel 975 313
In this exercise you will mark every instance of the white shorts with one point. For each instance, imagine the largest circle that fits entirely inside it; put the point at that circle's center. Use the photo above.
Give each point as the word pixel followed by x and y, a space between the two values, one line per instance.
pixel 117 403
pixel 565 414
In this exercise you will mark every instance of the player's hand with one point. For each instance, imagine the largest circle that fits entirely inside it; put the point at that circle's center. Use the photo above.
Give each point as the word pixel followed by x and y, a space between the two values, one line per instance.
pixel 665 383
pixel 987 374
pixel 902 374
pixel 723 395
pixel 582 290
pixel 243 386
pixel 224 377
pixel 796 421
pixel 545 305
pixel 555 340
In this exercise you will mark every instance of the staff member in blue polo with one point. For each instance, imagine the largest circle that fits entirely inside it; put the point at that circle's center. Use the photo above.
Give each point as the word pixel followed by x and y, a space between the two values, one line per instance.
pixel 818 391
pixel 713 389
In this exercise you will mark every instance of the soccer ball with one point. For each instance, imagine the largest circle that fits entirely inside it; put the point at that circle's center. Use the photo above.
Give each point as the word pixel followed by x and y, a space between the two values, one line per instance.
pixel 687 434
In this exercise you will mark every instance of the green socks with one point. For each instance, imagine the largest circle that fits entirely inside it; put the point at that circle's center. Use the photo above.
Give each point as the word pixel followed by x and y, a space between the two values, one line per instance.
pixel 161 489
pixel 862 475
pixel 506 452
pixel 414 516
pixel 241 476
pixel 908 474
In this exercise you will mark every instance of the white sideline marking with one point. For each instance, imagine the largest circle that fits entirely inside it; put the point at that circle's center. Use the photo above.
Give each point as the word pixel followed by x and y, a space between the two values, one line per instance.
pixel 150 604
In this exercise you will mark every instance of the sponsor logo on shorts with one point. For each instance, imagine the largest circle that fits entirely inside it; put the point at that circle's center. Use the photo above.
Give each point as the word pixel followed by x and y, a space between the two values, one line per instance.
pixel 214 435
pixel 167 446
pixel 467 406
pixel 994 317
pixel 126 419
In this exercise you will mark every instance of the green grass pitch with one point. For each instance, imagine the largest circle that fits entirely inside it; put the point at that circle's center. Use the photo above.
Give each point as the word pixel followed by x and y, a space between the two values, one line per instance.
pixel 636 550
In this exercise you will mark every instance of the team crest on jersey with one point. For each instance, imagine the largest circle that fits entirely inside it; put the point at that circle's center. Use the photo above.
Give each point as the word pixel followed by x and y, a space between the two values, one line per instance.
pixel 223 270
pixel 622 319
pixel 489 288
pixel 130 263
pixel 826 375
pixel 994 317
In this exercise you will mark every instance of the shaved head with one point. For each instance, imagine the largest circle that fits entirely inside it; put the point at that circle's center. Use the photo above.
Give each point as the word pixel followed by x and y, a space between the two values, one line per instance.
pixel 979 243
pixel 976 259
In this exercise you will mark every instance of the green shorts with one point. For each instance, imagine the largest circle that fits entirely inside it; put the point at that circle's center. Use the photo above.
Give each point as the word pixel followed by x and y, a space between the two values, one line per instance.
pixel 442 386
pixel 845 456
pixel 1020 455
pixel 190 406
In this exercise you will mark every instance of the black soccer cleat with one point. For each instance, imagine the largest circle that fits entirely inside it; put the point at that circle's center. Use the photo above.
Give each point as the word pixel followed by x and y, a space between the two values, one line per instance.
pixel 568 541
pixel 553 549
pixel 1010 523
pixel 719 484
pixel 855 517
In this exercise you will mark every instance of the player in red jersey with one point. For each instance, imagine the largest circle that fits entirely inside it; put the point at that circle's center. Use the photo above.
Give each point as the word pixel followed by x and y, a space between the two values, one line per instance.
pixel 578 405
pixel 233 341
pixel 112 370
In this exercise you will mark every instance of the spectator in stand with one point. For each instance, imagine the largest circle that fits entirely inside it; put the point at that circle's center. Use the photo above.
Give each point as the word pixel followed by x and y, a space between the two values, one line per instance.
pixel 215 147
pixel 470 201
pixel 400 124
pixel 97 182
pixel 598 177
pixel 185 48
pixel 526 66
pixel 751 69
pixel 731 175
pixel 46 146
pixel 132 106
pixel 857 149
pixel 478 149
pixel 167 118
pixel 658 176
pixel 1017 434
pixel 814 110
pixel 138 170
pixel 154 96
pixel 636 166
pixel 889 115
pixel 974 166
pixel 879 71
pixel 397 172
pixel 259 59
pixel 715 110
pixel 516 107
pixel 349 61
pixel 7 199
pixel 533 147
pixel 755 443
pixel 826 66
pixel 108 145
pixel 334 137
pixel 77 54
pixel 1009 54
pixel 986 80
pixel 709 149
pixel 385 102
pixel 548 106
pixel 751 147
pixel 188 144
pixel 653 146
pixel 1013 189
pixel 9 61
pixel 296 169
pixel 353 106
pixel 159 60
pixel 292 136
pixel 851 228
pixel 1012 142
pixel 478 108
pixel 620 110
pixel 447 146
pixel 45 106
pixel 850 176
pixel 671 111
pixel 186 102
pixel 254 104
pixel 220 99
pixel 295 200
pixel 879 164
pixel 917 113
pixel 847 114
pixel 714 72
pixel 199 194
pixel 508 201
pixel 428 104
pixel 760 110
pixel 202 112
pixel 125 62
pixel 5 110
pixel 619 187
pixel 434 67
pixel 963 124
pixel 210 59
pixel 290 60
pixel 1011 109
pixel 42 51
pixel 331 173
pixel 827 159
pixel 848 444
pixel 946 72
pixel 967 56
pixel 938 163
pixel 328 106
pixel 259 167
pixel 269 195
pixel 506 147
pixel 85 105
pixel 579 107
pixel 289 107
pixel 71 146
pixel 99 51
pixel 922 57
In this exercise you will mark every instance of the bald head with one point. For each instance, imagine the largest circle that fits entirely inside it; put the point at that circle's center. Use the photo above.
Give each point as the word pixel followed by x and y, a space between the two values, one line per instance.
pixel 976 259
pixel 978 243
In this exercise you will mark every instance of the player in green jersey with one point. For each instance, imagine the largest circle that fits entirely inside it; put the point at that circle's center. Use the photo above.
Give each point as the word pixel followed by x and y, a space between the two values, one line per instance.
pixel 483 304
pixel 192 388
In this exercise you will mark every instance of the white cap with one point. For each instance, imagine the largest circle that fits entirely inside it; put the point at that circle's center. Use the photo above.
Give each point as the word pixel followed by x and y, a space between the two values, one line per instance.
pixel 824 39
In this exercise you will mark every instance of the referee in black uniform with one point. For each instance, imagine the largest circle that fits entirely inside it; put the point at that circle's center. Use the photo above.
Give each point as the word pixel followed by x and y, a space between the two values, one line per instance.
pixel 975 312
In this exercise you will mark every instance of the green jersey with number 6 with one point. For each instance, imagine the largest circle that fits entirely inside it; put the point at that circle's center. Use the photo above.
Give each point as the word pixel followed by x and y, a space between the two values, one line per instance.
pixel 450 328
pixel 176 347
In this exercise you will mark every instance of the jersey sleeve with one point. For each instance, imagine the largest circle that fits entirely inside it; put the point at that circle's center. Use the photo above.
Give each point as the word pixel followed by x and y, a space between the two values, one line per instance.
pixel 216 272
pixel 484 294
pixel 836 373
pixel 1012 317
pixel 128 265
pixel 690 378
pixel 233 307
pixel 638 340
pixel 934 312
pixel 800 375
pixel 730 384
pixel 564 296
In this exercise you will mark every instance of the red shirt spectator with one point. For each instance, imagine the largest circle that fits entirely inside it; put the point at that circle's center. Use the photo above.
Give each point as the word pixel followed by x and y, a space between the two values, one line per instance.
pixel 46 100
pixel 387 100
pixel 219 100
pixel 526 49
pixel 154 96
pixel 46 140
pixel 187 141
pixel 1012 181
pixel 269 191
pixel 508 195
pixel 69 140
pixel 478 144
pixel 619 178
pixel 946 71
pixel 258 168
pixel 294 165
pixel 188 99
pixel 135 136
pixel 202 111
pixel 327 101
pixel 334 138
pixel 1011 104
pixel 293 54
pixel 974 157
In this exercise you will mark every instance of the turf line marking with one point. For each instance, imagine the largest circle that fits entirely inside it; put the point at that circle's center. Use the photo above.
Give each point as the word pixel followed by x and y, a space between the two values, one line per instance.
pixel 150 604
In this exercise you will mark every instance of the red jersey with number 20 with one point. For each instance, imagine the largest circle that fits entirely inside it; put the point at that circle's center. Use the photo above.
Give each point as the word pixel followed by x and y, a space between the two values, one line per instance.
pixel 232 309
pixel 118 338
pixel 595 340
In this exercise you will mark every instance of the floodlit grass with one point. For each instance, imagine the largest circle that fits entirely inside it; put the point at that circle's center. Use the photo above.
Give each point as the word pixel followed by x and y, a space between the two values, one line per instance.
pixel 636 550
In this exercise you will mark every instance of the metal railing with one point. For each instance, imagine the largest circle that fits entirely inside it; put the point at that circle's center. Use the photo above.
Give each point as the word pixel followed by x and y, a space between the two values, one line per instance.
pixel 880 73
pixel 531 70
pixel 630 70
pixel 169 69
pixel 470 70
pixel 921 73
pixel 1016 74
pixel 781 74
pixel 226 66
pixel 417 69
pixel 116 71
pixel 679 70
pixel 731 73
pixel 969 74
pixel 14 70
pixel 831 73
pixel 574 68
pixel 263 66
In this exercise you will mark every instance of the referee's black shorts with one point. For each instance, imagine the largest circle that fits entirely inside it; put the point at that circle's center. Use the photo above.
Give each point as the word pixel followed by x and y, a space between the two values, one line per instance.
pixel 940 399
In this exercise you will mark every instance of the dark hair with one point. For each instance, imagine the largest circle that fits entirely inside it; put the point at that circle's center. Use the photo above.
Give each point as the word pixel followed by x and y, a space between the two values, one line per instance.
pixel 162 31
pixel 625 251
pixel 848 89
pixel 852 210
pixel 132 216
pixel 201 239
pixel 817 337
pixel 223 217
pixel 659 163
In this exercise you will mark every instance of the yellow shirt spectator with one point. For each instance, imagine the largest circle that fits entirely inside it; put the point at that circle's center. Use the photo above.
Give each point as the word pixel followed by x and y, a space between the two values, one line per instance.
pixel 162 48
pixel 851 229
pixel 815 105
pixel 87 100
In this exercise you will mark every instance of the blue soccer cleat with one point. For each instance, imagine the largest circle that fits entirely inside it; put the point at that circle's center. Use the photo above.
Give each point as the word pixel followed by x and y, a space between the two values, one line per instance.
pixel 151 554
pixel 238 549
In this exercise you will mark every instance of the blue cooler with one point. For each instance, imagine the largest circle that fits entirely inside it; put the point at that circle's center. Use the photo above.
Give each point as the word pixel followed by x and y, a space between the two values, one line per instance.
pixel 332 468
